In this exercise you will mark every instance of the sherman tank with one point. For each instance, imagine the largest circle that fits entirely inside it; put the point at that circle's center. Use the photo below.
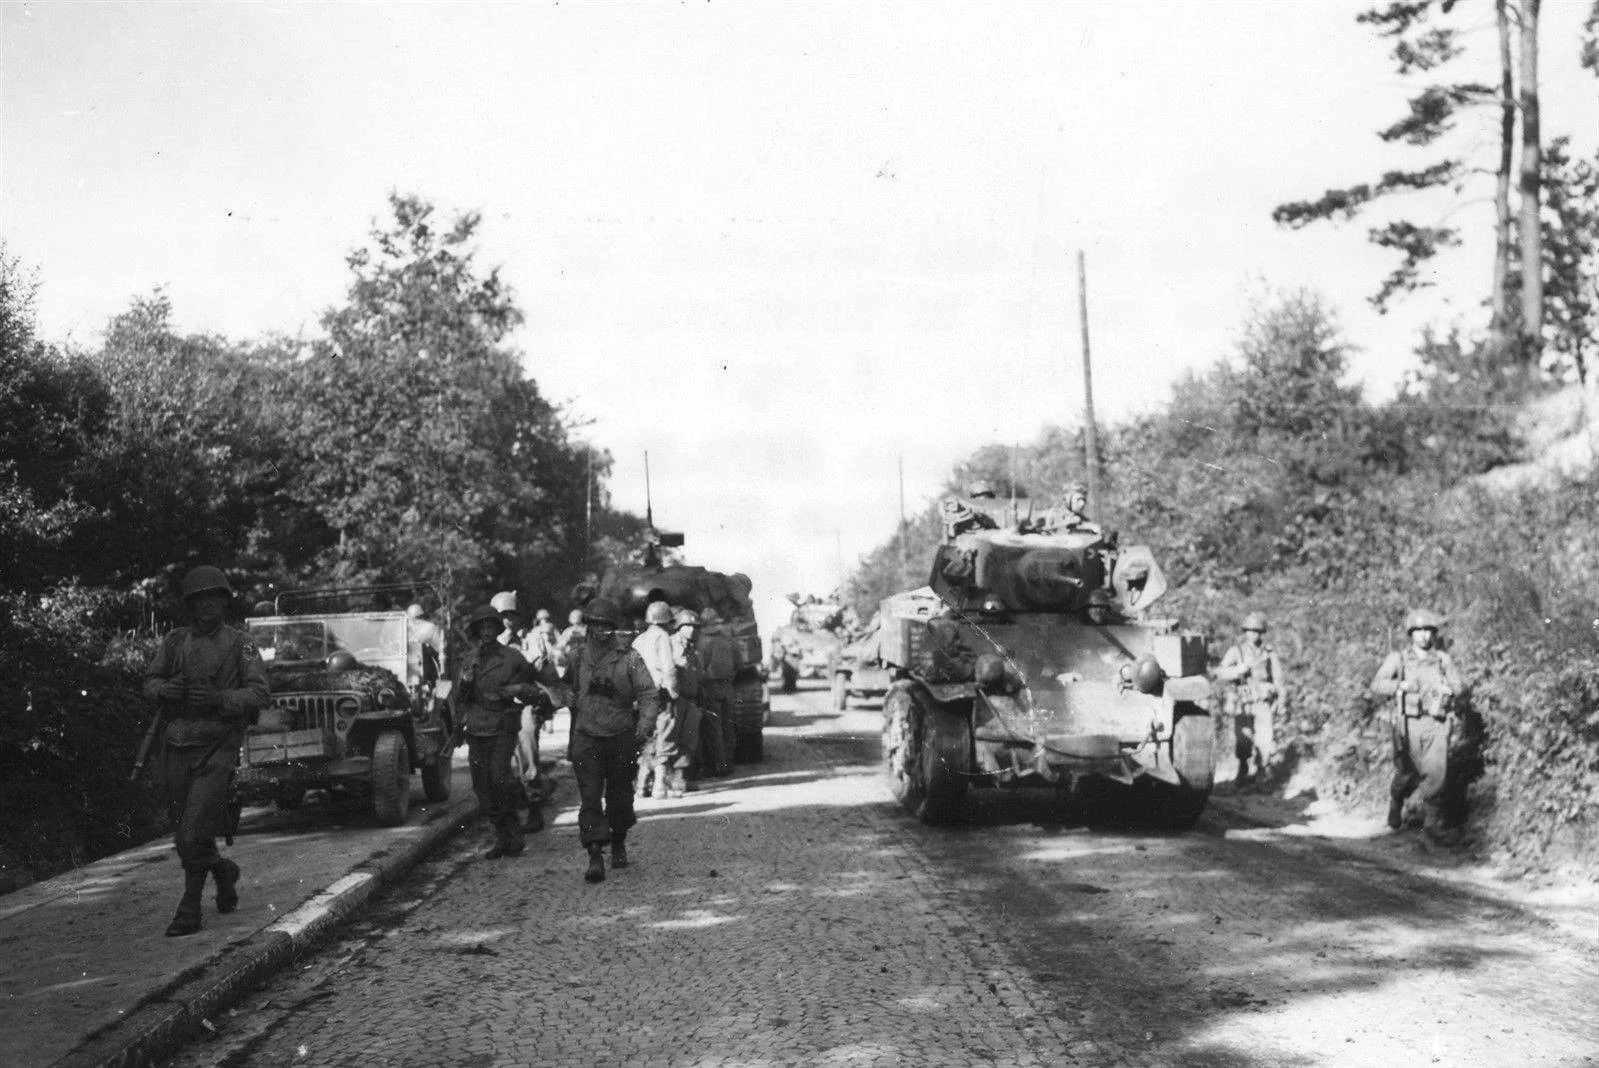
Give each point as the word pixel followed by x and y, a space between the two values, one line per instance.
pixel 1031 659
pixel 804 647
pixel 632 588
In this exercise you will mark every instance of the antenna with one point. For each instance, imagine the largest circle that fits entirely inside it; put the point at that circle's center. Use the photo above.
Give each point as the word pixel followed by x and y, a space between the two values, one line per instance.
pixel 1091 438
pixel 649 507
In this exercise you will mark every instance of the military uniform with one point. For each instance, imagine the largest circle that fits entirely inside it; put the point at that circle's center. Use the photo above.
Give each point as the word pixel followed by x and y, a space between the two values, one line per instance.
pixel 200 749
pixel 1423 726
pixel 1256 681
pixel 615 706
pixel 490 721
pixel 719 662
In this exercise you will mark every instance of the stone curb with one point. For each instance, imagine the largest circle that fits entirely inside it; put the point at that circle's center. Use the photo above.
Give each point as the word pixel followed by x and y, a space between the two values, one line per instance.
pixel 173 1014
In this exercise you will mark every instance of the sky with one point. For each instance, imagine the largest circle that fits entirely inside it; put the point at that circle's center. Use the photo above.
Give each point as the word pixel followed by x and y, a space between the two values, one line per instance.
pixel 778 247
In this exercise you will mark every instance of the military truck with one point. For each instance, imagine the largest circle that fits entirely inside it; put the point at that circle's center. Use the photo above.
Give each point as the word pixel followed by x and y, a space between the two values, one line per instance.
pixel 631 588
pixel 1009 682
pixel 342 718
pixel 804 647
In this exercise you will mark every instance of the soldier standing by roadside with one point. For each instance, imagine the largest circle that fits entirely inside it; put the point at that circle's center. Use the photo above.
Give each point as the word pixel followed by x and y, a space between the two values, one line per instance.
pixel 655 647
pixel 210 683
pixel 571 637
pixel 716 694
pixel 1254 697
pixel 615 704
pixel 691 712
pixel 489 676
pixel 424 649
pixel 1423 681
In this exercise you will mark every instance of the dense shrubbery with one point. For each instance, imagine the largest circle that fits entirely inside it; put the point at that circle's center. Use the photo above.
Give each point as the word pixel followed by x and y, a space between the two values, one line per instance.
pixel 405 443
pixel 1270 484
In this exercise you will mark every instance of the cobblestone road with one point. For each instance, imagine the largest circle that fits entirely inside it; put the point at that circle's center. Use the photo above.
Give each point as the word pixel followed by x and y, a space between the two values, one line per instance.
pixel 794 916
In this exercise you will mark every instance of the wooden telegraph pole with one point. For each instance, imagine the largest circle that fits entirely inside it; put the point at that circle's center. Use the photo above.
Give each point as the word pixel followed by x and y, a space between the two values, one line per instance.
pixel 1091 435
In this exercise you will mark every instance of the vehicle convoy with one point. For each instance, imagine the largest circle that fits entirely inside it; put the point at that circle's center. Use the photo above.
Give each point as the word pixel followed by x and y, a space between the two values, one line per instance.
pixel 804 647
pixel 341 718
pixel 857 669
pixel 632 588
pixel 1008 682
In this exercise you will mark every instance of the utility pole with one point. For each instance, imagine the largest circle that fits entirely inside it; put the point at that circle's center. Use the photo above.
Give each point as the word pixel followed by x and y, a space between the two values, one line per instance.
pixel 904 569
pixel 1091 435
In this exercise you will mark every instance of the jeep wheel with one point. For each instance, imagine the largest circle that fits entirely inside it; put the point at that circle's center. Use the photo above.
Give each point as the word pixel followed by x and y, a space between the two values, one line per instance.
pixel 840 692
pixel 436 778
pixel 391 778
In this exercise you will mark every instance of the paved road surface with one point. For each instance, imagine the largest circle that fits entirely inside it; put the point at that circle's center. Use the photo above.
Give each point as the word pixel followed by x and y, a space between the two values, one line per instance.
pixel 794 915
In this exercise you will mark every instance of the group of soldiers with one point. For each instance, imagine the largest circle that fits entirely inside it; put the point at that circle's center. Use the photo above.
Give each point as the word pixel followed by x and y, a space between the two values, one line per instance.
pixel 652 709
pixel 1420 679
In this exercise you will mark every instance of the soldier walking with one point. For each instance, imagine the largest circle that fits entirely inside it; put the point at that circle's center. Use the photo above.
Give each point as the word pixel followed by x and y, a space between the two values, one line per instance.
pixel 654 646
pixel 489 676
pixel 1423 681
pixel 615 705
pixel 210 684
pixel 1254 696
pixel 690 707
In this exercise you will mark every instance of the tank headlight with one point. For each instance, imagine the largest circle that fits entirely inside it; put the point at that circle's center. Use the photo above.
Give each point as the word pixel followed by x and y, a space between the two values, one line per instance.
pixel 989 671
pixel 993 604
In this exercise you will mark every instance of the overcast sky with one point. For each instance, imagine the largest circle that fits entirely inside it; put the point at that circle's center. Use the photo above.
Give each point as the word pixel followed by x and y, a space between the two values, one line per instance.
pixel 777 246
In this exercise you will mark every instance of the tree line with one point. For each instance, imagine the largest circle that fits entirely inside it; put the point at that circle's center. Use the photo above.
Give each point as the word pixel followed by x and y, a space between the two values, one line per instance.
pixel 405 442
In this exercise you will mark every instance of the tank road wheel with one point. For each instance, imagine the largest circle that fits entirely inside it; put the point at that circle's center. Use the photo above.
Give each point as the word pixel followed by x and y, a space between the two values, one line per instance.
pixel 927 754
pixel 391 778
pixel 840 691
pixel 436 778
pixel 1193 757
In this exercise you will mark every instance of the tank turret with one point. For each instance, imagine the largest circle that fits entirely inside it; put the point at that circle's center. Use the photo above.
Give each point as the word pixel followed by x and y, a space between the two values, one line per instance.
pixel 1030 658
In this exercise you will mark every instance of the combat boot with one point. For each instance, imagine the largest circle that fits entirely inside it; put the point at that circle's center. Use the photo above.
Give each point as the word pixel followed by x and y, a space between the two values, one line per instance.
pixel 227 876
pixel 187 919
pixel 596 868
pixel 535 819
pixel 1396 812
pixel 619 851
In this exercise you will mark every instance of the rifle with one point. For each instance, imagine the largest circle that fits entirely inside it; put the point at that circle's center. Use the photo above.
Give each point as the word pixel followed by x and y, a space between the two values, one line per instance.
pixel 145 744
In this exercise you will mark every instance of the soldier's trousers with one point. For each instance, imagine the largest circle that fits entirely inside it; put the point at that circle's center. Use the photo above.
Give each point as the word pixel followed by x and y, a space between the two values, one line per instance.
pixel 1421 764
pixel 195 778
pixel 667 746
pixel 713 755
pixel 718 694
pixel 494 781
pixel 604 770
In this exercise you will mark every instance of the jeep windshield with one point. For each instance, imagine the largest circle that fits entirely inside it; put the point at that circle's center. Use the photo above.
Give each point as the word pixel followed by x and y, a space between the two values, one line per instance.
pixel 370 640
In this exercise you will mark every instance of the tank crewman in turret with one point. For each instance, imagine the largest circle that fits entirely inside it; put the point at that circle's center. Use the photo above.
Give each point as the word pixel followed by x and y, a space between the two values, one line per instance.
pixel 615 705
pixel 1254 695
pixel 719 661
pixel 488 677
pixel 210 682
pixel 1423 681
pixel 1070 516
pixel 1101 610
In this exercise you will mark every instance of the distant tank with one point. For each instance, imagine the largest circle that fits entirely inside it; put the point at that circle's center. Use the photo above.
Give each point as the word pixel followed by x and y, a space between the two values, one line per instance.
pixel 805 647
pixel 1006 681
pixel 631 588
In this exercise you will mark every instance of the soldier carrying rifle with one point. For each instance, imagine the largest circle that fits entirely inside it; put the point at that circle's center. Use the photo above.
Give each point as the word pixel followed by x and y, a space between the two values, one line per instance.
pixel 209 684
pixel 1254 697
pixel 1423 682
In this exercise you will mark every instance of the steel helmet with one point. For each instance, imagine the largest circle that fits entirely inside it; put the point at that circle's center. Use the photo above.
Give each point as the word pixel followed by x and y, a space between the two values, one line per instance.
pixel 981 488
pixel 504 602
pixel 601 610
pixel 686 617
pixel 658 612
pixel 1254 621
pixel 343 660
pixel 482 614
pixel 204 579
pixel 575 616
pixel 1423 619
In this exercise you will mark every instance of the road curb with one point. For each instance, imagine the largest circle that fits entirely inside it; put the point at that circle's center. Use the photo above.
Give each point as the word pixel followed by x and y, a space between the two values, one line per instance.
pixel 176 1012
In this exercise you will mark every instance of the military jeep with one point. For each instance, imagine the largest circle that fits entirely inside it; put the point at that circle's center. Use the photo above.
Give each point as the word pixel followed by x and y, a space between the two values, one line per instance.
pixel 341 719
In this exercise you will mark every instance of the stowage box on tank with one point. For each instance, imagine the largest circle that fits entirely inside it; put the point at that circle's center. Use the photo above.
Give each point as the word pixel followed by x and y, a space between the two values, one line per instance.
pixel 1030 659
